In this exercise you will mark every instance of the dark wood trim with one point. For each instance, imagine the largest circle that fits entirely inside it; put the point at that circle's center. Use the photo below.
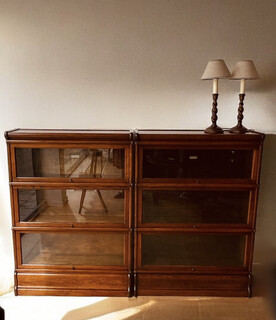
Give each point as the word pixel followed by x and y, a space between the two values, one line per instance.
pixel 7 133
pixel 132 278
pixel 195 135
pixel 31 291
pixel 192 270
pixel 223 145
pixel 15 283
pixel 199 229
pixel 70 229
pixel 63 134
pixel 52 269
pixel 70 185
pixel 199 183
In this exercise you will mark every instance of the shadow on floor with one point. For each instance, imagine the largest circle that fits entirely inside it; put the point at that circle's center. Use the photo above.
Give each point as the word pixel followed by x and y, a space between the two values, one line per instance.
pixel 173 308
pixel 111 308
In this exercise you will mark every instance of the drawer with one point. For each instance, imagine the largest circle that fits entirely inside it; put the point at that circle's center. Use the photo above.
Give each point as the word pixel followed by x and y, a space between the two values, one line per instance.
pixel 88 162
pixel 72 284
pixel 180 163
pixel 190 285
pixel 182 206
pixel 73 250
pixel 192 251
pixel 78 205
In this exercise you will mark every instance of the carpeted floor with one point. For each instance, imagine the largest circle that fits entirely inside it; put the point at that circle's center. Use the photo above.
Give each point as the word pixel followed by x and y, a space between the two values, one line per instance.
pixel 142 308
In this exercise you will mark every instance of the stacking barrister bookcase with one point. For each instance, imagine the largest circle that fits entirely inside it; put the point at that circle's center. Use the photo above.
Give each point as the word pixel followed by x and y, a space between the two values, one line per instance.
pixel 196 202
pixel 71 208
pixel 121 213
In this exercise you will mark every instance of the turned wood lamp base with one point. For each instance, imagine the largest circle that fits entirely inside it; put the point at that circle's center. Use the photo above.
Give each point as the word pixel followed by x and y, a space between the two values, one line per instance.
pixel 214 129
pixel 239 128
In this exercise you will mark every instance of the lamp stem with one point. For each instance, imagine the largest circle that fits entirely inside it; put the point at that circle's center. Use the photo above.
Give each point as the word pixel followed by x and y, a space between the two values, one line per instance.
pixel 240 109
pixel 239 128
pixel 214 128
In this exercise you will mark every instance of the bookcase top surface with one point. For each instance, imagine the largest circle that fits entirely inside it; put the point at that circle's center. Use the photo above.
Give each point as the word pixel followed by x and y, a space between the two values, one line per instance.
pixel 146 134
pixel 67 134
pixel 126 135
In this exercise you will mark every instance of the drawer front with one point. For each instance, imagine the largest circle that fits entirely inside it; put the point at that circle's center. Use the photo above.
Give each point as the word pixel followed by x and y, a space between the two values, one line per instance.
pixel 181 284
pixel 58 162
pixel 180 163
pixel 164 250
pixel 73 250
pixel 78 206
pixel 72 284
pixel 182 206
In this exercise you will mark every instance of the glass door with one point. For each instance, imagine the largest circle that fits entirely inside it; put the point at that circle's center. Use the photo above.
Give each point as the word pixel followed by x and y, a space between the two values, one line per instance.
pixel 66 163
pixel 180 249
pixel 189 207
pixel 73 249
pixel 80 206
pixel 184 163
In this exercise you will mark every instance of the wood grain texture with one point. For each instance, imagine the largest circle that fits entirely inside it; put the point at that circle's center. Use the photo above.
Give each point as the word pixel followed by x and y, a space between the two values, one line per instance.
pixel 195 280
pixel 193 285
pixel 62 134
pixel 68 279
pixel 74 281
pixel 74 284
pixel 32 291
pixel 133 277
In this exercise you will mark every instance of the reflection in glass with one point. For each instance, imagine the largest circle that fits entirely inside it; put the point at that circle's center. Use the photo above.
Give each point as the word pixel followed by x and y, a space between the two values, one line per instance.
pixel 193 250
pixel 70 163
pixel 97 249
pixel 66 205
pixel 181 163
pixel 177 206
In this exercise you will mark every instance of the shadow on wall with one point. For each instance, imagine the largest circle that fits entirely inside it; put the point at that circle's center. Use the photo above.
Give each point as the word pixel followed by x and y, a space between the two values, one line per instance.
pixel 267 82
pixel 265 244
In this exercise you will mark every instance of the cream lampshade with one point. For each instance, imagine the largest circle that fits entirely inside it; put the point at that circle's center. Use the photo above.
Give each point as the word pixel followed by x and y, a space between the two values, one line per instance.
pixel 215 69
pixel 244 70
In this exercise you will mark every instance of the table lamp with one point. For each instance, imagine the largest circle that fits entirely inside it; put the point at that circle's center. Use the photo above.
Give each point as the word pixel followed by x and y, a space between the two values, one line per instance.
pixel 244 70
pixel 216 69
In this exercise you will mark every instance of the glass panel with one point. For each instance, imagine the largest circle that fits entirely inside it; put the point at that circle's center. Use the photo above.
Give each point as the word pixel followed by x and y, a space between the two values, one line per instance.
pixel 70 163
pixel 97 249
pixel 179 163
pixel 177 206
pixel 193 249
pixel 65 205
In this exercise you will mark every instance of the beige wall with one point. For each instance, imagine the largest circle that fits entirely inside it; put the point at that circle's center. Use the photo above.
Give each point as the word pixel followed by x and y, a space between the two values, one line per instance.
pixel 128 64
